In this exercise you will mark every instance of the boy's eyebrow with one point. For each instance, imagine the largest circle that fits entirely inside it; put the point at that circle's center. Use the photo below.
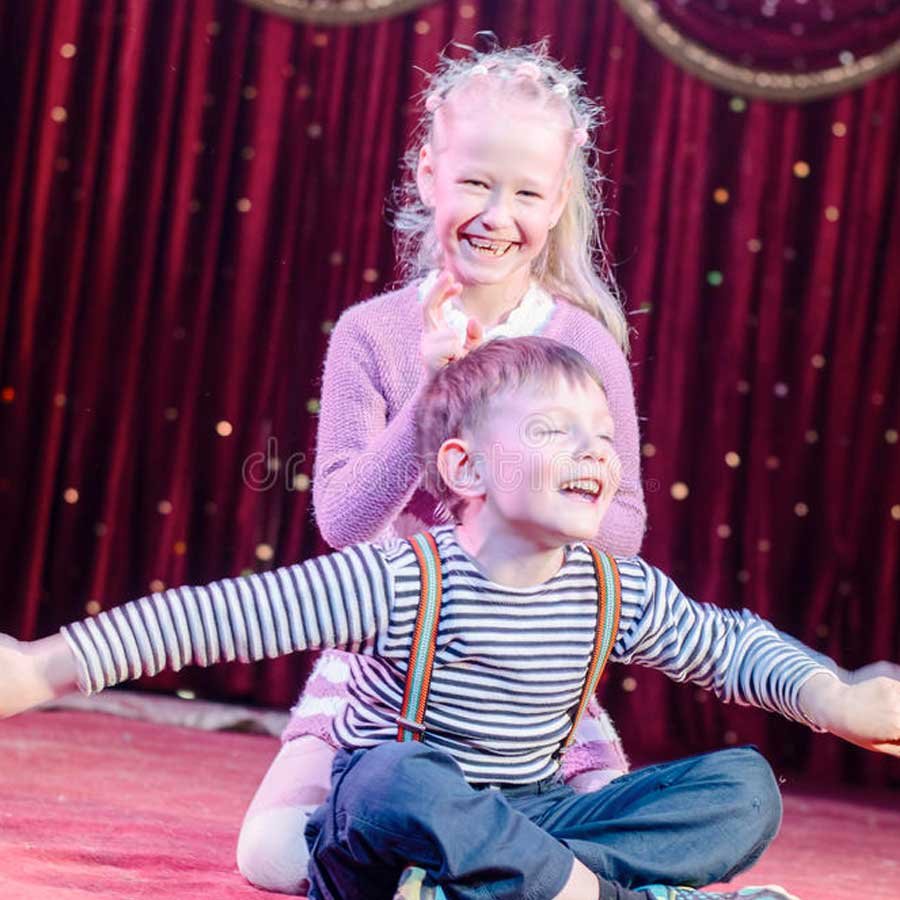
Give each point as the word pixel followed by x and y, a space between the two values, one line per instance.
pixel 561 410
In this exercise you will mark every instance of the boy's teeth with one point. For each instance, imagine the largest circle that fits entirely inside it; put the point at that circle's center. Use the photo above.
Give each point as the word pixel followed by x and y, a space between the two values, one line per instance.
pixel 583 486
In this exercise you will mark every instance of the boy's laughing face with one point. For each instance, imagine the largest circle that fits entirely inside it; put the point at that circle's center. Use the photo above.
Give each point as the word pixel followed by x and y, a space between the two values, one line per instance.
pixel 548 469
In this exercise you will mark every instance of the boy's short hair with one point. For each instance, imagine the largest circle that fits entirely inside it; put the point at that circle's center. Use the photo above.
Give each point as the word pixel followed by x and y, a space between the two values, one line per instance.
pixel 460 394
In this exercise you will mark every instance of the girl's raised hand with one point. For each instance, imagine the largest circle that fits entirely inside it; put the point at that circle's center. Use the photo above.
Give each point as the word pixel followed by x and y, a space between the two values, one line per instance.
pixel 440 342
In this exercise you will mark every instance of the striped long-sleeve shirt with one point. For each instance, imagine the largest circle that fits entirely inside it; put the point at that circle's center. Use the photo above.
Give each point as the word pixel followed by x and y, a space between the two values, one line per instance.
pixel 509 662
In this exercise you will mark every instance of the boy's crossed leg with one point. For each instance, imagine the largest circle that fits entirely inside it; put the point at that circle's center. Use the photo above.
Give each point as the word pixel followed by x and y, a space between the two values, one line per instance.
pixel 693 821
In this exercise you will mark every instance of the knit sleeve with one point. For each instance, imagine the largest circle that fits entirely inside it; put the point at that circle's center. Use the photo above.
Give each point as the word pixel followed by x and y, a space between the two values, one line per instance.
pixel 367 467
pixel 342 600
pixel 622 530
pixel 597 747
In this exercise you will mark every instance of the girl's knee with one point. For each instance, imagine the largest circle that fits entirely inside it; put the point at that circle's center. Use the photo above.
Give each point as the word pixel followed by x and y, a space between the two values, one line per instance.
pixel 271 850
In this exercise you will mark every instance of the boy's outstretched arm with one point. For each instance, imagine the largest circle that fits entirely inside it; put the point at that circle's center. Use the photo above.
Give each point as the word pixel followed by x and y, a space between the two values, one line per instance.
pixel 342 600
pixel 34 672
pixel 866 712
pixel 743 659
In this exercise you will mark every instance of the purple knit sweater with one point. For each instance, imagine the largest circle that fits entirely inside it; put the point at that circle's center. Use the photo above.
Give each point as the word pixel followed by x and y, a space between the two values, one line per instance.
pixel 365 485
pixel 366 473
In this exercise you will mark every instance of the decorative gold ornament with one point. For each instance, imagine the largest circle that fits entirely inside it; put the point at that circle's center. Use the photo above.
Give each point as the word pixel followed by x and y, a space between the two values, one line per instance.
pixel 784 87
pixel 338 12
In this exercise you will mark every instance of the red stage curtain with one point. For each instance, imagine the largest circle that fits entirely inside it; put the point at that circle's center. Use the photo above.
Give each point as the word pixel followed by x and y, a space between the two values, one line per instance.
pixel 795 36
pixel 192 193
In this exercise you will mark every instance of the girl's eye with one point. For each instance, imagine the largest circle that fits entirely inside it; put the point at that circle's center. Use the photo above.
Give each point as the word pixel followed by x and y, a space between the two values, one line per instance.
pixel 530 194
pixel 475 182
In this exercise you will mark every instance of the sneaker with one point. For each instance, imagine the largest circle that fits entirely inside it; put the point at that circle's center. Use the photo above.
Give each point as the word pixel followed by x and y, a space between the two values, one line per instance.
pixel 767 892
pixel 416 885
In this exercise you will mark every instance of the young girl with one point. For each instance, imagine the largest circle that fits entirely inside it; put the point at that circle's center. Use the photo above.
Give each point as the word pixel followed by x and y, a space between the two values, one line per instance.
pixel 498 228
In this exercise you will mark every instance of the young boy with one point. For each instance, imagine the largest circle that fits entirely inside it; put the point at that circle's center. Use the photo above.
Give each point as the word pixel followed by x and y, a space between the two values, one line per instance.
pixel 520 435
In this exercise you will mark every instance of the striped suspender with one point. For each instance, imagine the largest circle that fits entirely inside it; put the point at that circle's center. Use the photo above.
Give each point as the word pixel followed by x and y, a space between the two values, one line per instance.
pixel 609 595
pixel 410 725
pixel 421 656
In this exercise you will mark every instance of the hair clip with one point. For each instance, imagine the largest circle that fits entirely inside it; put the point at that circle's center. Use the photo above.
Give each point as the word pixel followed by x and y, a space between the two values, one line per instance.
pixel 580 136
pixel 433 101
pixel 528 70
pixel 478 69
pixel 561 89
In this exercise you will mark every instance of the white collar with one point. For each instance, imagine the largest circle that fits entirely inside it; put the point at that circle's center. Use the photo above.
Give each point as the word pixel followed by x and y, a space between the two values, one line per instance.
pixel 529 316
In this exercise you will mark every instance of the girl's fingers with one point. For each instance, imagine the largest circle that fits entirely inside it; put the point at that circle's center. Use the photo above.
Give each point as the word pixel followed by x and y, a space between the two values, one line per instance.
pixel 440 347
pixel 434 299
pixel 445 344
pixel 474 334
pixel 443 289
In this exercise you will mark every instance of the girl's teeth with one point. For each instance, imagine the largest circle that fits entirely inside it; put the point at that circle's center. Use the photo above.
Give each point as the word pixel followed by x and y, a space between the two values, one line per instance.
pixel 489 249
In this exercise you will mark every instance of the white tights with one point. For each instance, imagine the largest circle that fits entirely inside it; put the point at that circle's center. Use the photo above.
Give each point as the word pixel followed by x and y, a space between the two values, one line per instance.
pixel 271 850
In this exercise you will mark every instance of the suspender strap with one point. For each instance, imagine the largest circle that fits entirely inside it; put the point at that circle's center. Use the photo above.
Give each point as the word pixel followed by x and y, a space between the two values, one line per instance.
pixel 609 596
pixel 421 658
pixel 410 725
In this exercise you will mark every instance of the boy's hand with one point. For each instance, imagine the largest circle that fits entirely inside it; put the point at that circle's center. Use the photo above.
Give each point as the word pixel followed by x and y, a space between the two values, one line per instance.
pixel 866 712
pixel 33 672
pixel 440 342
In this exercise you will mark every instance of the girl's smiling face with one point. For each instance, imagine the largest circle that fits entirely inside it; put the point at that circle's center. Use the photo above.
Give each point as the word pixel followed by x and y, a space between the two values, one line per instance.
pixel 496 179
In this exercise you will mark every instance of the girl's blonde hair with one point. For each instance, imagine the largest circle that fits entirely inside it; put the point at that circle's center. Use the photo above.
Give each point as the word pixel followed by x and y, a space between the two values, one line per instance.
pixel 573 263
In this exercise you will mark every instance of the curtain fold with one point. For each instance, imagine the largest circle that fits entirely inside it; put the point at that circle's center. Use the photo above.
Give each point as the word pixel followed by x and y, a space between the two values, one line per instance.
pixel 194 193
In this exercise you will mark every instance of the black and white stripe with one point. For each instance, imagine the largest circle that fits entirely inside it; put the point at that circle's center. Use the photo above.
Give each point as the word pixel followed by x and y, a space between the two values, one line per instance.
pixel 509 662
pixel 341 600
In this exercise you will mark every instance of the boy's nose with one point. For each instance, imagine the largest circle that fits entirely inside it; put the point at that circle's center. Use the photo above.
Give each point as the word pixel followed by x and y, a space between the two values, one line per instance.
pixel 596 448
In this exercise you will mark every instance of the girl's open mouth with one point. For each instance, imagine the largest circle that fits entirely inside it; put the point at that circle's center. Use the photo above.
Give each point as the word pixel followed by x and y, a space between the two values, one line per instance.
pixel 487 247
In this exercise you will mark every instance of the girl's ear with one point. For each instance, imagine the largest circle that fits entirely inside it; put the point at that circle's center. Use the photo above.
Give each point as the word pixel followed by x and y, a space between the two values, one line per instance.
pixel 561 201
pixel 459 469
pixel 425 175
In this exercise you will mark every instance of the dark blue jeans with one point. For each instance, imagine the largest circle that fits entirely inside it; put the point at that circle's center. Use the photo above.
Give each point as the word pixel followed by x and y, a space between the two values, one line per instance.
pixel 691 822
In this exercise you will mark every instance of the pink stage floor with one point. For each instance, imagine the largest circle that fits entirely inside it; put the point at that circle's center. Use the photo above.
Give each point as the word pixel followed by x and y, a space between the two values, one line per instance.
pixel 102 807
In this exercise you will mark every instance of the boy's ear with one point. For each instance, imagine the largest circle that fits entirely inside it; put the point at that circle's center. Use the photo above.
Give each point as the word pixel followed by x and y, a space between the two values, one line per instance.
pixel 425 175
pixel 459 469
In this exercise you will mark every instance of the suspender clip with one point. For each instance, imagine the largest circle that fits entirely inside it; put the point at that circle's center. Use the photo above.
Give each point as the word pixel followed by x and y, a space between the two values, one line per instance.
pixel 410 725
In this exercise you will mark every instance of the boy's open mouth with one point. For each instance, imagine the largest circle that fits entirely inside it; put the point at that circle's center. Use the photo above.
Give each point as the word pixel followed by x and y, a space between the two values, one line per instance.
pixel 487 247
pixel 585 490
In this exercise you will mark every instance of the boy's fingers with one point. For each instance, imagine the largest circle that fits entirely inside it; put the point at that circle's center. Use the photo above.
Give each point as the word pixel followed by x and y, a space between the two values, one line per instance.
pixel 891 748
pixel 884 669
